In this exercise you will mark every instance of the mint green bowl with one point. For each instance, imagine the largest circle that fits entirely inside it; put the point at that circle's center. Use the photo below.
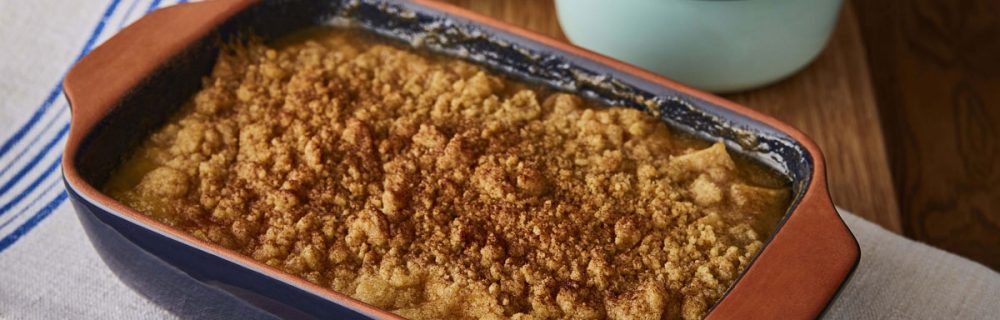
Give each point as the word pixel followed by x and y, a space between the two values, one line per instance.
pixel 719 46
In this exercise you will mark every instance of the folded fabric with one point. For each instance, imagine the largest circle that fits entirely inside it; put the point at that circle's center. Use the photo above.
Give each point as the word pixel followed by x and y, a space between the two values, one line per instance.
pixel 902 279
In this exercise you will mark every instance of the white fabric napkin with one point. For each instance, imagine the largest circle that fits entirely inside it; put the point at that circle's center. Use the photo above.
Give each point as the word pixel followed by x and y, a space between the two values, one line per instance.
pixel 48 269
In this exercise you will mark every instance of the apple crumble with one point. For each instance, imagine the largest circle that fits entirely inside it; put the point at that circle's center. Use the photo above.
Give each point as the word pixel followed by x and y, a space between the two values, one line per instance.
pixel 436 189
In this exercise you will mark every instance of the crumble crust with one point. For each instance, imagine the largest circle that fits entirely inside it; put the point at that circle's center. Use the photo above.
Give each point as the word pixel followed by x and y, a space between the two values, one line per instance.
pixel 435 189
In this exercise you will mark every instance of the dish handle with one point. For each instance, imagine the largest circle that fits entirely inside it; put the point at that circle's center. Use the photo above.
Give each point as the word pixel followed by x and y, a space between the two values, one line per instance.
pixel 99 80
pixel 802 269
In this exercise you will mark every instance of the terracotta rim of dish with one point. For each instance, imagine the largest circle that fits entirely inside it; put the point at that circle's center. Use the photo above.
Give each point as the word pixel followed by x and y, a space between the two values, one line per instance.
pixel 784 268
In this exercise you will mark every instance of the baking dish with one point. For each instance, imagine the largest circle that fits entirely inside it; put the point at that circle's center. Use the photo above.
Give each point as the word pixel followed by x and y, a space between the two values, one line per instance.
pixel 133 82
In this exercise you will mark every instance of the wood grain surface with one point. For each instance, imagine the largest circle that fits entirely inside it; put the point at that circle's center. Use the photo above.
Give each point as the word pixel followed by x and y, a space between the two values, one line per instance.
pixel 831 100
pixel 936 65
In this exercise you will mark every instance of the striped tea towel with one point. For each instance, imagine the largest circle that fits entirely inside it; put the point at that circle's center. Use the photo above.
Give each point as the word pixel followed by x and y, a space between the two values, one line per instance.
pixel 48 270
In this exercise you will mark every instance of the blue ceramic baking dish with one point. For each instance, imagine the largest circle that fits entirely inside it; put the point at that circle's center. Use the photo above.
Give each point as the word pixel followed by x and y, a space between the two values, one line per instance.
pixel 129 85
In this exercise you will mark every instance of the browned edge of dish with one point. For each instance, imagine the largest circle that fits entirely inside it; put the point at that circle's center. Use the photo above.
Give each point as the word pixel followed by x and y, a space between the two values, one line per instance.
pixel 794 276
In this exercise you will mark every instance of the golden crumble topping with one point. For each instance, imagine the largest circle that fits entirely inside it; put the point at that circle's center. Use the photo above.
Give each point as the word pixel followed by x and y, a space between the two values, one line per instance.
pixel 435 189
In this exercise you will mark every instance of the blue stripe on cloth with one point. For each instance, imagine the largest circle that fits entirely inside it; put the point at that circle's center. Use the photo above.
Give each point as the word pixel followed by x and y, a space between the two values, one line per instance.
pixel 31 223
pixel 55 183
pixel 98 29
pixel 127 14
pixel 33 142
pixel 27 226
pixel 57 90
pixel 31 164
pixel 31 187
pixel 38 114
pixel 152 6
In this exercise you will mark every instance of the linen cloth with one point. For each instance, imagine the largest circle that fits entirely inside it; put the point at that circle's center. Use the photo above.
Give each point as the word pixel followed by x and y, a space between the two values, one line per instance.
pixel 48 269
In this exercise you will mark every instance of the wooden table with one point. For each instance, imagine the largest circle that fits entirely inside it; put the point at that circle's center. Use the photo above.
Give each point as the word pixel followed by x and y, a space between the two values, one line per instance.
pixel 831 100
pixel 937 83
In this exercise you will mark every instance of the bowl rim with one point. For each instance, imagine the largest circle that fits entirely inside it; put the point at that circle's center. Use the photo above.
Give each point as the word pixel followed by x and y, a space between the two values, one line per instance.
pixel 814 215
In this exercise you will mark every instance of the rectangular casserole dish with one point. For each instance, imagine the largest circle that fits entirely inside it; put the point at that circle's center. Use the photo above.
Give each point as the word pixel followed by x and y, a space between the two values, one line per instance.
pixel 132 83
